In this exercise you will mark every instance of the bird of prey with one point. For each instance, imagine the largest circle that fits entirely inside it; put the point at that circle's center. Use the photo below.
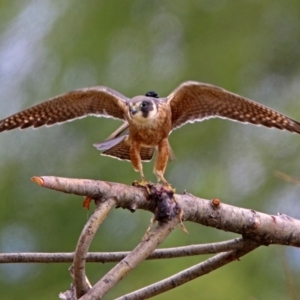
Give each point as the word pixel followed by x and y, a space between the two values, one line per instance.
pixel 148 119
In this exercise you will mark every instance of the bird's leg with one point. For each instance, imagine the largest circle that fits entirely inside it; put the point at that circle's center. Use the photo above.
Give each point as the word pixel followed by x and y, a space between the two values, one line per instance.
pixel 160 167
pixel 135 158
pixel 161 162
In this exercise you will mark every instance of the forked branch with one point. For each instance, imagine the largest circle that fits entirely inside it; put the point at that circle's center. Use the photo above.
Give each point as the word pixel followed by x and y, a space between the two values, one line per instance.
pixel 265 229
pixel 256 228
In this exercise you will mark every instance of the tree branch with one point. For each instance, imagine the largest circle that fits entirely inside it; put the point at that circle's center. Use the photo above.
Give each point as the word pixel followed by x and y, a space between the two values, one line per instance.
pixel 106 257
pixel 265 229
pixel 81 282
pixel 255 227
pixel 136 256
pixel 189 274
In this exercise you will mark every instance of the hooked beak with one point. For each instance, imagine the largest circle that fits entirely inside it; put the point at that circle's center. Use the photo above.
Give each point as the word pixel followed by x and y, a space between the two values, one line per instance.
pixel 133 110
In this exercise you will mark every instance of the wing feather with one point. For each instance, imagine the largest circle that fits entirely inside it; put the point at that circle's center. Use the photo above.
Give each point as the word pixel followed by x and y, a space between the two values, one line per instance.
pixel 195 101
pixel 97 101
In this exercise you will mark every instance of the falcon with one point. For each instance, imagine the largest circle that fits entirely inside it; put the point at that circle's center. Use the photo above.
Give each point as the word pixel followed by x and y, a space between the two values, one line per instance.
pixel 148 120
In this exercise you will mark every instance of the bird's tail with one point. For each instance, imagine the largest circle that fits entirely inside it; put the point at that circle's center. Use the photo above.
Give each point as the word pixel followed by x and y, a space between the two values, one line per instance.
pixel 119 148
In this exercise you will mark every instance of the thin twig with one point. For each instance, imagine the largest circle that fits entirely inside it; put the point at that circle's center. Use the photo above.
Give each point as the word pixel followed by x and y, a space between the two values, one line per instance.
pixel 287 177
pixel 129 196
pixel 189 274
pixel 86 237
pixel 136 256
pixel 291 286
pixel 107 257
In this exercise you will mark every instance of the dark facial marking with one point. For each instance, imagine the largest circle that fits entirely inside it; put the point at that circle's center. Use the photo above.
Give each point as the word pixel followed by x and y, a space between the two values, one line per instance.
pixel 152 94
pixel 146 107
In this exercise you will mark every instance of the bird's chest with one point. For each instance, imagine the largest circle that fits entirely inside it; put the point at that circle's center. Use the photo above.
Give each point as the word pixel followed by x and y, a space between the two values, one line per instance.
pixel 151 131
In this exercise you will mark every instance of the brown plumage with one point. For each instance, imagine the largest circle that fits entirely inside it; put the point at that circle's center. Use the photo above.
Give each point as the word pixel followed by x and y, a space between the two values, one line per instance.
pixel 148 120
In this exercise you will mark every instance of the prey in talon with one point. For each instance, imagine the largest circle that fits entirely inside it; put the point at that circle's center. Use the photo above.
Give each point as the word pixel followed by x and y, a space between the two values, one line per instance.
pixel 148 120
pixel 166 206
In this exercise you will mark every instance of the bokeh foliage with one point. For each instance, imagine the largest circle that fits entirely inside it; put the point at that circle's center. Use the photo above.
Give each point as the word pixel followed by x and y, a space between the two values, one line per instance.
pixel 47 47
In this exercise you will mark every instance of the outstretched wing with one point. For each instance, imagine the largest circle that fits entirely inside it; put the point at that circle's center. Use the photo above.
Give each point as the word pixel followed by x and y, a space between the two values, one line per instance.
pixel 98 101
pixel 195 101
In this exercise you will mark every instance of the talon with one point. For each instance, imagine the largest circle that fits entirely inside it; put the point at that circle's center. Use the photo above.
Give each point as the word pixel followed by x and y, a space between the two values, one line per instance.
pixel 180 210
pixel 169 187
pixel 144 183
pixel 164 182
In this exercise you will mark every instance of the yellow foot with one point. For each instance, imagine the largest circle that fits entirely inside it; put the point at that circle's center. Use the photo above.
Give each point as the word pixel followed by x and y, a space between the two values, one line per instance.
pixel 169 187
pixel 144 183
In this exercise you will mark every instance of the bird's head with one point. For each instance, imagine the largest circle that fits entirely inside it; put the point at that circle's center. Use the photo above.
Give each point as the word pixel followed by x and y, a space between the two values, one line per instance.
pixel 143 108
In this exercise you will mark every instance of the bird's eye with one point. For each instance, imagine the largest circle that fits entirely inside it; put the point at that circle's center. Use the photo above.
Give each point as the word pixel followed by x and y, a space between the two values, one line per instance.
pixel 144 104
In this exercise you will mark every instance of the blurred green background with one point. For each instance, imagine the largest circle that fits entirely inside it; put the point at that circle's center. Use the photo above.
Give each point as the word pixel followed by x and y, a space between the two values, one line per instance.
pixel 47 47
